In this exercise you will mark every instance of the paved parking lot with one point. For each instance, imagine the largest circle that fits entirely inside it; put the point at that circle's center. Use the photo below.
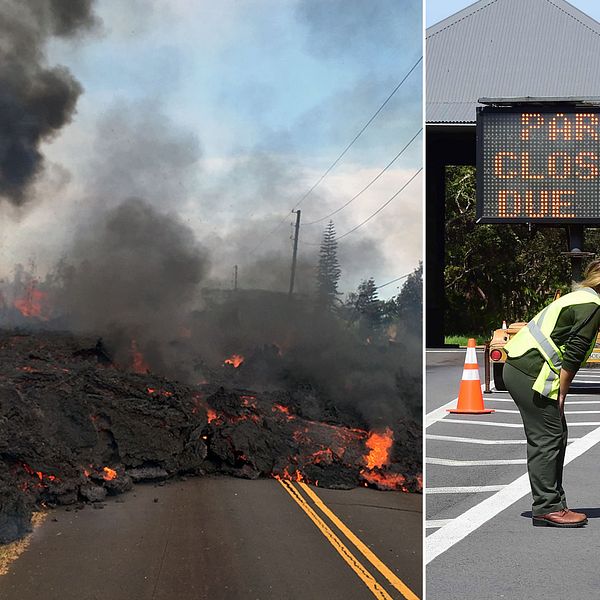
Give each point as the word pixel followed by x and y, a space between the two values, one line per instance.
pixel 480 542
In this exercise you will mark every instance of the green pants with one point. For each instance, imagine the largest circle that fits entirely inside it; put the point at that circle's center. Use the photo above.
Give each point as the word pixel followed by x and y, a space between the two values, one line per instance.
pixel 546 433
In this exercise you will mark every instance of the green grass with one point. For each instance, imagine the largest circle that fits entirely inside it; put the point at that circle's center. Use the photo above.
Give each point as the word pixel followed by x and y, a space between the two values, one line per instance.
pixel 461 340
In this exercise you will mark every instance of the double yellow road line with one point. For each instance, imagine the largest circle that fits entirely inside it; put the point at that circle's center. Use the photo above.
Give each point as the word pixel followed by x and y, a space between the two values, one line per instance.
pixel 349 557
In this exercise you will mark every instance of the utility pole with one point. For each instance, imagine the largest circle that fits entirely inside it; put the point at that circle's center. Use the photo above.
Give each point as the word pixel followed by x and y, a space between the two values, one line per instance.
pixel 235 277
pixel 295 254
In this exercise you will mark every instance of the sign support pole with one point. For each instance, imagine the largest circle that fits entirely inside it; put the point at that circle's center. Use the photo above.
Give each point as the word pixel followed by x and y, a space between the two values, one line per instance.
pixel 575 237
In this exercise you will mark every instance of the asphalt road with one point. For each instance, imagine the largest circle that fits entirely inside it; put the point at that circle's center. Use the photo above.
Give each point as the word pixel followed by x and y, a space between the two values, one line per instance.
pixel 480 542
pixel 230 539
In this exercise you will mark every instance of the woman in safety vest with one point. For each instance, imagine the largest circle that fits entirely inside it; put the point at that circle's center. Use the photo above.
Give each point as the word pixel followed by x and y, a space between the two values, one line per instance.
pixel 543 358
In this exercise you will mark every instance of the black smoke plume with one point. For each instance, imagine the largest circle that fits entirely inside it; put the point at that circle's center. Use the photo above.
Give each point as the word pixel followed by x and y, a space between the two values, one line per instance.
pixel 36 100
pixel 134 277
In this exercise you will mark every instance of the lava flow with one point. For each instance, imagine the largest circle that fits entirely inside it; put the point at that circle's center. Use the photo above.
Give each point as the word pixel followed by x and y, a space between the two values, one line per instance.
pixel 149 428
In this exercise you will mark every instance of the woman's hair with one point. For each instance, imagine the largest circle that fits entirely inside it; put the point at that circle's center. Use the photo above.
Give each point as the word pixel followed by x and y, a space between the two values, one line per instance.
pixel 592 274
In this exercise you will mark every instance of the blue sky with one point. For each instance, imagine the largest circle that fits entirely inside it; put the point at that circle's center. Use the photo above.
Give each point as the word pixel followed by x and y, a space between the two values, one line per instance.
pixel 226 112
pixel 436 10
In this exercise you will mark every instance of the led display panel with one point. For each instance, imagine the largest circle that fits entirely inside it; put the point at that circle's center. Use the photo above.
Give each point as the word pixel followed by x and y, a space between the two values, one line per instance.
pixel 538 164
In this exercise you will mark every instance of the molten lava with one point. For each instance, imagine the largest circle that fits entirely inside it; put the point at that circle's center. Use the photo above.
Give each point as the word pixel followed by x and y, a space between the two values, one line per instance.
pixel 284 410
pixel 248 401
pixel 41 476
pixel 34 304
pixel 235 360
pixel 138 364
pixel 385 481
pixel 379 445
pixel 109 474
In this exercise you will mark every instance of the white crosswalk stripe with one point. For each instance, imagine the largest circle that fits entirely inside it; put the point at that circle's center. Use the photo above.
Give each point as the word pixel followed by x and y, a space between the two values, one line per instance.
pixel 466 440
pixel 475 463
pixel 435 523
pixel 465 489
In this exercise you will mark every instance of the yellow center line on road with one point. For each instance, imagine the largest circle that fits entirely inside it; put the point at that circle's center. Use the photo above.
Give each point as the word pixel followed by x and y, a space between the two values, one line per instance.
pixel 361 547
pixel 376 589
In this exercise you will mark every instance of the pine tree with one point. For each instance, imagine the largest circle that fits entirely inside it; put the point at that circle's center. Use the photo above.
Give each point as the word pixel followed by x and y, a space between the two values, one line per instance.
pixel 328 270
pixel 410 300
pixel 369 307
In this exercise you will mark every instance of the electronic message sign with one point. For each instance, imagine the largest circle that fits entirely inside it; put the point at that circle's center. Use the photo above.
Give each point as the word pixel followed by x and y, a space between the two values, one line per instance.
pixel 538 164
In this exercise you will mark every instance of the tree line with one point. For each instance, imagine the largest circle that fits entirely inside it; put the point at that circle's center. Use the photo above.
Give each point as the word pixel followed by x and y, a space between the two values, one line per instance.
pixel 498 272
pixel 371 317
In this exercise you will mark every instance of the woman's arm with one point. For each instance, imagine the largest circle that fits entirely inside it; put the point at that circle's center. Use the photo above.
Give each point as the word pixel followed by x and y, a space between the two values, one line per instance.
pixel 585 329
pixel 566 377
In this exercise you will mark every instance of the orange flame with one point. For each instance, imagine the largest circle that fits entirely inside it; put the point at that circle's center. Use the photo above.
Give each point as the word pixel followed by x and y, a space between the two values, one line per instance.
pixel 235 360
pixel 109 474
pixel 385 481
pixel 33 304
pixel 295 476
pixel 39 474
pixel 151 391
pixel 211 414
pixel 284 410
pixel 138 363
pixel 379 445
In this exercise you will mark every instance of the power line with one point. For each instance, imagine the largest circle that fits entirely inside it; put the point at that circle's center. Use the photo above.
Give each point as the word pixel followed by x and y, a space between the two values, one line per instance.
pixel 380 208
pixel 337 160
pixel 393 281
pixel 369 184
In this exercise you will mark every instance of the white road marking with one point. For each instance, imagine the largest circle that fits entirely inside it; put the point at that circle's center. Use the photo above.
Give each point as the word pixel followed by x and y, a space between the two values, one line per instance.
pixel 435 523
pixel 439 413
pixel 475 463
pixel 582 401
pixel 452 350
pixel 485 423
pixel 491 399
pixel 515 425
pixel 466 440
pixel 466 489
pixel 567 412
pixel 451 438
pixel 451 533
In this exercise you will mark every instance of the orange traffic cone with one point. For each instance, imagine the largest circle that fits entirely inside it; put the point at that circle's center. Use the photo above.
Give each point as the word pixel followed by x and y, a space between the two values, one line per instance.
pixel 470 398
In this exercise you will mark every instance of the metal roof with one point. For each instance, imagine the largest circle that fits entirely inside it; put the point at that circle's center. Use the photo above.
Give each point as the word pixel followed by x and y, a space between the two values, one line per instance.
pixel 504 48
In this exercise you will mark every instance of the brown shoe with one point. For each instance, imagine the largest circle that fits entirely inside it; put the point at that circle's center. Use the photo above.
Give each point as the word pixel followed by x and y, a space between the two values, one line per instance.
pixel 561 518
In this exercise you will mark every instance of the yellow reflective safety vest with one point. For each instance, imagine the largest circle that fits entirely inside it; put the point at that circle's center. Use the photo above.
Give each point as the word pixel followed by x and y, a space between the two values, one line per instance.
pixel 537 335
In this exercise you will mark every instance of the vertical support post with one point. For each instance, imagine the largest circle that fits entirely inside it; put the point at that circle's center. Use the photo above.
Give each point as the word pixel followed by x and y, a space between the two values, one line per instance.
pixel 295 253
pixel 235 277
pixel 486 364
pixel 575 235
pixel 435 223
